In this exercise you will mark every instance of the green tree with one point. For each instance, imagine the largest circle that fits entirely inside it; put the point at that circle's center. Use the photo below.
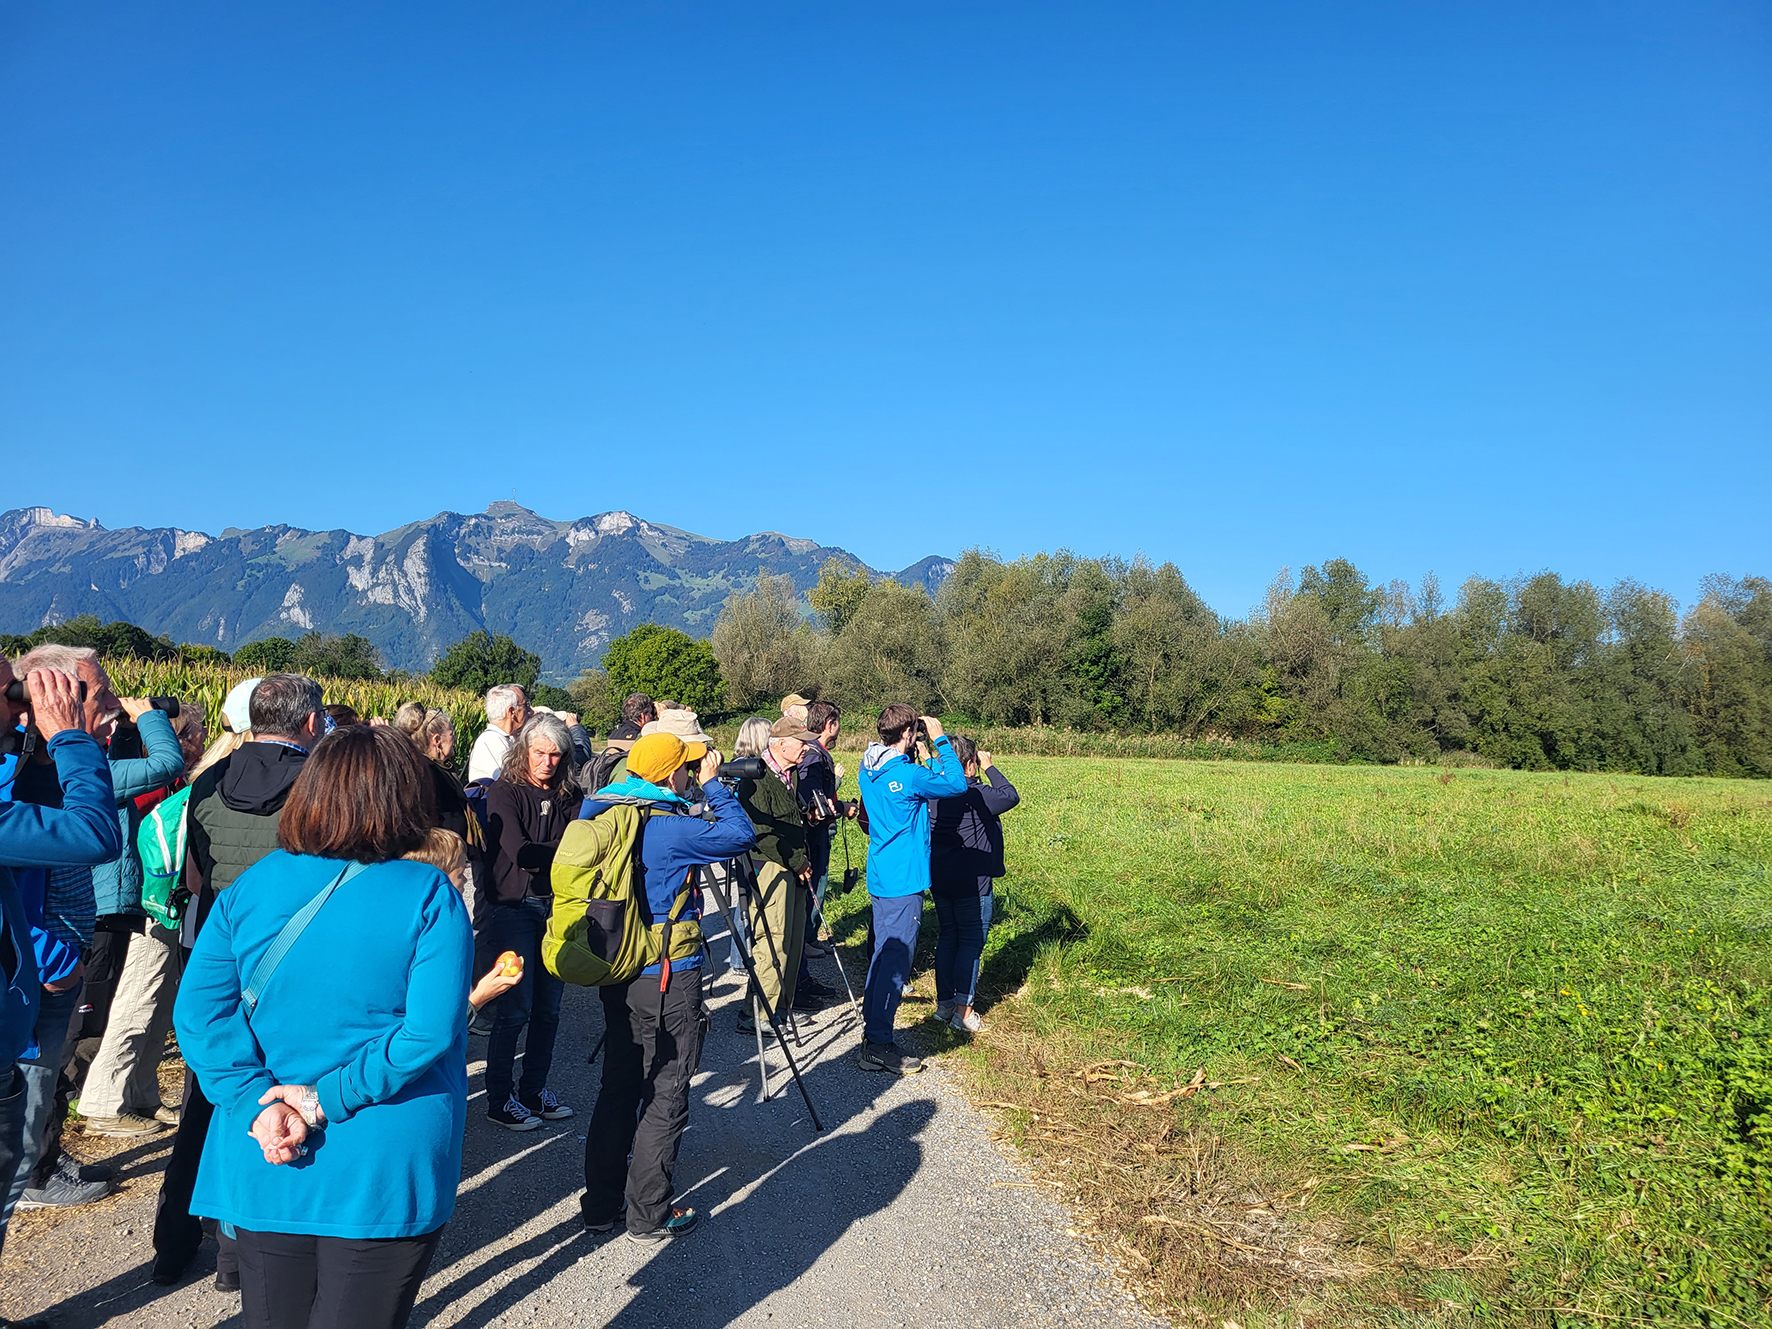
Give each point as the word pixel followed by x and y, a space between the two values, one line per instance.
pixel 890 651
pixel 197 653
pixel 663 662
pixel 1727 644
pixel 840 593
pixel 764 647
pixel 480 661
pixel 116 639
pixel 596 702
pixel 321 655
pixel 267 655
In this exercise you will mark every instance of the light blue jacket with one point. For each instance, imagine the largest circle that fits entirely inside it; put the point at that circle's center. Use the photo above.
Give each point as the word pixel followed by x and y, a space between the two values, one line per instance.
pixel 367 1007
pixel 896 792
pixel 117 885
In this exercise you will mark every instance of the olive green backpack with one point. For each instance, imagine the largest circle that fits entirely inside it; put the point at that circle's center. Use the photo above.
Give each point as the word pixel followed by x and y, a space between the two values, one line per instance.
pixel 597 932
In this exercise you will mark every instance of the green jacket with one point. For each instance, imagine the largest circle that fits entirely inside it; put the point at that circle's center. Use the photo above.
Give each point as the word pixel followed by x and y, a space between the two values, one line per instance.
pixel 235 807
pixel 774 809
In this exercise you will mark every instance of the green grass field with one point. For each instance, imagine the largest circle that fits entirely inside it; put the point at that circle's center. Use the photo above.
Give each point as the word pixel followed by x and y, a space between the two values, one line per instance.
pixel 1336 1046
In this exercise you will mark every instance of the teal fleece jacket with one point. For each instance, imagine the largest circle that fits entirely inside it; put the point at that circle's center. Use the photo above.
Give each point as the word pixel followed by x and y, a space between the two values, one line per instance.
pixel 366 1006
pixel 896 792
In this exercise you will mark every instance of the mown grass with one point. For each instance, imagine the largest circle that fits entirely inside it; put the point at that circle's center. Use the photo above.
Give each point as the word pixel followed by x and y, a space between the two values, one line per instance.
pixel 1340 1046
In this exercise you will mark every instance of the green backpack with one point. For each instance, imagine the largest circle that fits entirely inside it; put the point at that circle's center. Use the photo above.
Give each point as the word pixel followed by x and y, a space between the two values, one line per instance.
pixel 597 933
pixel 160 844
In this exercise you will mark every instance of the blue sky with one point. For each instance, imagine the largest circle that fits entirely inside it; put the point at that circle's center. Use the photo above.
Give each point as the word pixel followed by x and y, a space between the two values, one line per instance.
pixel 1470 289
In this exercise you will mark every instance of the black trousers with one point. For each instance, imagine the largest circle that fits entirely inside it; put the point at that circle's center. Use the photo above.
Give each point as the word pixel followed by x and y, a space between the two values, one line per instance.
pixel 653 1047
pixel 177 1234
pixel 294 1281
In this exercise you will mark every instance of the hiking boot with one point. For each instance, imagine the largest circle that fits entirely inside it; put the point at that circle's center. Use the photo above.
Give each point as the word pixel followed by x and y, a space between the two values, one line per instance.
pixel 60 1193
pixel 967 1021
pixel 513 1116
pixel 747 1023
pixel 227 1281
pixel 124 1125
pixel 816 948
pixel 547 1106
pixel 806 1002
pixel 887 1057
pixel 811 987
pixel 681 1222
pixel 72 1169
pixel 944 1010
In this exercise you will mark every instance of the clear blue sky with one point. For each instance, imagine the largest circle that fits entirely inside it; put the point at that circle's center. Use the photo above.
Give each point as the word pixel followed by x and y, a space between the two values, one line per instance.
pixel 1476 289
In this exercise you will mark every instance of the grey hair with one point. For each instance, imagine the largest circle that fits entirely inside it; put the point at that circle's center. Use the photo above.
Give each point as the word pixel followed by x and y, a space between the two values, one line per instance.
pixel 409 719
pixel 436 724
pixel 753 738
pixel 516 762
pixel 282 703
pixel 53 655
pixel 500 699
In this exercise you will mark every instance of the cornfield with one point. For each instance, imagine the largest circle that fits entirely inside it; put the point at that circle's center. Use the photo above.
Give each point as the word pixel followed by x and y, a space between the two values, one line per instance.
pixel 207 685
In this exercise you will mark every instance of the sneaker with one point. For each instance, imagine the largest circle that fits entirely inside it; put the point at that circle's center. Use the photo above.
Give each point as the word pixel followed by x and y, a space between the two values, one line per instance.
pixel 60 1193
pixel 547 1106
pixel 909 989
pixel 227 1282
pixel 513 1116
pixel 166 1116
pixel 805 1003
pixel 888 1057
pixel 123 1125
pixel 967 1023
pixel 600 1226
pixel 811 987
pixel 816 948
pixel 72 1169
pixel 681 1222
pixel 944 1009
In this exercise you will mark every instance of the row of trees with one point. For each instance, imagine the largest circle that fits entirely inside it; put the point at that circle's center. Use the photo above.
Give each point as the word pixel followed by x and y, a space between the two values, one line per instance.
pixel 1537 673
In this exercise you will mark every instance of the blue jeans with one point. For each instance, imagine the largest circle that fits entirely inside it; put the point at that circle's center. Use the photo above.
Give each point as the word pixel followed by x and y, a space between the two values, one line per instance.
pixel 896 919
pixel 965 922
pixel 55 1014
pixel 534 1002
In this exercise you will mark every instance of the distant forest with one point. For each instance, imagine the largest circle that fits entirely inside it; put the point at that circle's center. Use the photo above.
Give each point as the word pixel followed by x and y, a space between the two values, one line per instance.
pixel 1538 673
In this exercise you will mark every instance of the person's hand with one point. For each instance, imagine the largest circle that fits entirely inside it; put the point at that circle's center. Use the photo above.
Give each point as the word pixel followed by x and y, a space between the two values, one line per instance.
pixel 65 984
pixel 840 772
pixel 932 725
pixel 280 1132
pixel 55 702
pixel 377 722
pixel 300 1098
pixel 493 985
pixel 566 717
pixel 710 766
pixel 806 875
pixel 135 707
pixel 984 761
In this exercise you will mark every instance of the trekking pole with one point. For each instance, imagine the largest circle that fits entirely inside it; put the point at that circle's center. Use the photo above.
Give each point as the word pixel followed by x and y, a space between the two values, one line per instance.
pixel 836 954
pixel 714 889
pixel 748 873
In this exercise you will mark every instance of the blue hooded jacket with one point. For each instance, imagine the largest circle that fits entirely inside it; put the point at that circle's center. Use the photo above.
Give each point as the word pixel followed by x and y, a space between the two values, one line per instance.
pixel 671 845
pixel 896 792
pixel 81 832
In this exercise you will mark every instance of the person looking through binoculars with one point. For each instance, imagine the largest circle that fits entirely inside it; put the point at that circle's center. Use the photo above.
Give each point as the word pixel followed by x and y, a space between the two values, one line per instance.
pixel 896 793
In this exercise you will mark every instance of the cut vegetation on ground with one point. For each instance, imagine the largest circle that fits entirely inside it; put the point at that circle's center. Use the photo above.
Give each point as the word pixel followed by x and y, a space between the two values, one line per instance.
pixel 1334 1046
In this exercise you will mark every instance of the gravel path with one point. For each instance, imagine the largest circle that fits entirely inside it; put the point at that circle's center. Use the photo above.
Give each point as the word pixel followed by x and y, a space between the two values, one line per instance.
pixel 903 1212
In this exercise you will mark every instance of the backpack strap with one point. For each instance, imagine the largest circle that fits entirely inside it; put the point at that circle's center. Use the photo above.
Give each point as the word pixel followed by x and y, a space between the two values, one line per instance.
pixel 287 938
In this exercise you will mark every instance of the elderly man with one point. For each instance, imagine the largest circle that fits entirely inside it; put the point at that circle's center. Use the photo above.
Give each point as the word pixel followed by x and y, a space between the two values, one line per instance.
pixel 507 710
pixel 777 908
pixel 58 819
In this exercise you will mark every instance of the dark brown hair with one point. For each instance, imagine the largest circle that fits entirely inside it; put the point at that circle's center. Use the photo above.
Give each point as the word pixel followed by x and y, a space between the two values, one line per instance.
pixel 637 709
pixel 894 720
pixel 365 794
pixel 819 714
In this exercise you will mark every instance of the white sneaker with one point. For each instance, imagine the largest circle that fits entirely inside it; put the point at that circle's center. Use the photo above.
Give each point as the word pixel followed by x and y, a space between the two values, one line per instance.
pixel 969 1023
pixel 944 1010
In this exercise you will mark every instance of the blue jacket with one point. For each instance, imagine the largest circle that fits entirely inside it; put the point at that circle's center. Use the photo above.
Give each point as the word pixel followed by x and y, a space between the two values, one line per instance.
pixel 82 831
pixel 117 885
pixel 671 846
pixel 896 792
pixel 367 1007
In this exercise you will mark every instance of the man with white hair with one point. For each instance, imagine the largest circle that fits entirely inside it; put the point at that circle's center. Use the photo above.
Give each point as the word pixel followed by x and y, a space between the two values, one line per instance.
pixel 507 708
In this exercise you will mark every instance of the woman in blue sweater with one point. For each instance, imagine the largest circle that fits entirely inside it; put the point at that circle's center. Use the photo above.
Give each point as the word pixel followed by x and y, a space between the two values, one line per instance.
pixel 341 1095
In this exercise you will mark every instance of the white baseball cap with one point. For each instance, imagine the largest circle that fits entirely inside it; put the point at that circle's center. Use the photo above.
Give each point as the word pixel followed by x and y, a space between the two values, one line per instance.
pixel 237 709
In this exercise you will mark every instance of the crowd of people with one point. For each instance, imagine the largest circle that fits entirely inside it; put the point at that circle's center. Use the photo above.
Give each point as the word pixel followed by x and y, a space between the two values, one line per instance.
pixel 154 880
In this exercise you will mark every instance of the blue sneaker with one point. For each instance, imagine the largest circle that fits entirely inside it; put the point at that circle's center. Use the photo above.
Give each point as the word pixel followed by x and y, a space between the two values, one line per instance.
pixel 680 1223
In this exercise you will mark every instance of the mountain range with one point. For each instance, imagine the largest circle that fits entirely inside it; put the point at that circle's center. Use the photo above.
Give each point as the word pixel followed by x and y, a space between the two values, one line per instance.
pixel 562 589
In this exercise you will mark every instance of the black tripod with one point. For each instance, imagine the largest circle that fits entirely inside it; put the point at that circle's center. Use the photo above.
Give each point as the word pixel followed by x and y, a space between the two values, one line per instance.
pixel 739 870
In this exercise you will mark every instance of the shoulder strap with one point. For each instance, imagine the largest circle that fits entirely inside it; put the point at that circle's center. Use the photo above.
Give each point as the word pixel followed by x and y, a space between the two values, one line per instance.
pixel 291 933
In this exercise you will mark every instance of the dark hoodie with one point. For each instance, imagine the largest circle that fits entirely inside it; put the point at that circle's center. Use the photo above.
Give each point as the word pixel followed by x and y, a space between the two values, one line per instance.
pixel 235 806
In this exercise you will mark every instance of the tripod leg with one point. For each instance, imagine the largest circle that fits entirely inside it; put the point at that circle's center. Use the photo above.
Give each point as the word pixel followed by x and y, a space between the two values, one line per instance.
pixel 820 924
pixel 774 1019
pixel 748 876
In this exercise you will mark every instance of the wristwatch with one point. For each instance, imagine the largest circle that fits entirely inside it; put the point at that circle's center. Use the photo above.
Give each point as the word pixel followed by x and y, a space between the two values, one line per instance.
pixel 307 1102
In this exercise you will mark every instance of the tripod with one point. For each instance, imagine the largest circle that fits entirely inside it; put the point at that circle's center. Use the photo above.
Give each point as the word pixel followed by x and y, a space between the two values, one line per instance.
pixel 739 870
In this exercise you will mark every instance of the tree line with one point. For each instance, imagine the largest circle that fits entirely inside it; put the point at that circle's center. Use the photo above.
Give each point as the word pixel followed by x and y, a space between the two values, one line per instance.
pixel 1538 673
